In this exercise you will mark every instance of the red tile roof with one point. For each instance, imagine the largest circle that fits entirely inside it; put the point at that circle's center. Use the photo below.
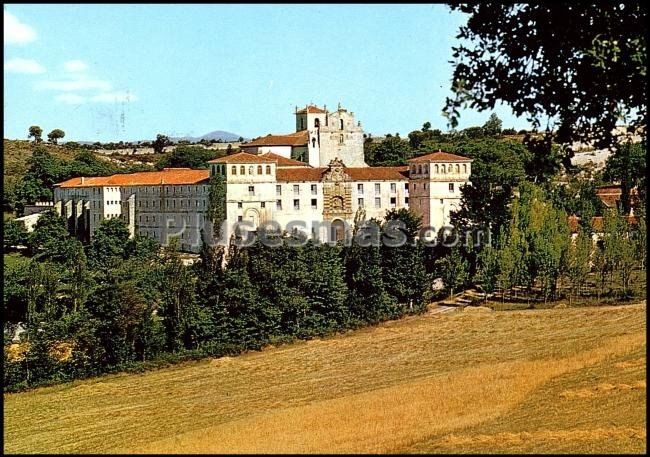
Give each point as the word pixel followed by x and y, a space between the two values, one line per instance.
pixel 440 157
pixel 299 138
pixel 356 173
pixel 611 194
pixel 242 157
pixel 299 174
pixel 596 222
pixel 283 161
pixel 146 178
pixel 310 109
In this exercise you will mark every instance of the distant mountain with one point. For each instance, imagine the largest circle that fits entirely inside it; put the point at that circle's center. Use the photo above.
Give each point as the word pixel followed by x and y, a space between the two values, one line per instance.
pixel 216 135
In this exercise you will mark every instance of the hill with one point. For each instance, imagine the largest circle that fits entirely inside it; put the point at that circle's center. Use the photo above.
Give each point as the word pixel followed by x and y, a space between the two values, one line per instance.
pixel 556 380
pixel 215 135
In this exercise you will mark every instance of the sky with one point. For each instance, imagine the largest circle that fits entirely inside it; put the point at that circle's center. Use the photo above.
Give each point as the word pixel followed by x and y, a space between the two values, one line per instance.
pixel 127 72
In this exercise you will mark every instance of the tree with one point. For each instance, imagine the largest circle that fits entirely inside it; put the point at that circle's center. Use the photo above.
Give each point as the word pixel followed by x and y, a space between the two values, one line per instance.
pixel 36 132
pixel 48 240
pixel 392 151
pixel 15 234
pixel 488 270
pixel 55 135
pixel 453 269
pixel 186 157
pixel 584 65
pixel 109 244
pixel 627 165
pixel 403 268
pixel 160 143
pixel 492 126
pixel 426 126
pixel 498 168
pixel 577 262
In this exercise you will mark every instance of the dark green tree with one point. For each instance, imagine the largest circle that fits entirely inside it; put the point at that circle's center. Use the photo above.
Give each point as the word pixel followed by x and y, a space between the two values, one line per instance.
pixel 36 132
pixel 55 135
pixel 584 65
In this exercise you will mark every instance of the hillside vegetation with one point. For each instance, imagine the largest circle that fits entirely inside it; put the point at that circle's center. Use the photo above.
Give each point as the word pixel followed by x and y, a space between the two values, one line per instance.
pixel 557 380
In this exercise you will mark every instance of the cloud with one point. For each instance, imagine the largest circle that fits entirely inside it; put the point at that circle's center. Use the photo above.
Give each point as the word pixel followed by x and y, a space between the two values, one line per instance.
pixel 70 99
pixel 28 66
pixel 74 66
pixel 114 97
pixel 75 84
pixel 16 32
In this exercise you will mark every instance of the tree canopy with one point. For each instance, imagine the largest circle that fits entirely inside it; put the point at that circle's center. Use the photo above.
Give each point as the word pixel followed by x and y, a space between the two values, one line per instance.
pixel 582 65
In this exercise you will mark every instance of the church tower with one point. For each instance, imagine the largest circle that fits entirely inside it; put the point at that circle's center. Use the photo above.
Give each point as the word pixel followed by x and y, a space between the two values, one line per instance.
pixel 331 135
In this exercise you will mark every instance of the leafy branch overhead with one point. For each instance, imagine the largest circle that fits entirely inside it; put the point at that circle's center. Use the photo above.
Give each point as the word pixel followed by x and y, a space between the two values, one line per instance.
pixel 583 66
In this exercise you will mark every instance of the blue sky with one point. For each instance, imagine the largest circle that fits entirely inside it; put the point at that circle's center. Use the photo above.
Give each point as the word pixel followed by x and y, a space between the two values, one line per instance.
pixel 128 72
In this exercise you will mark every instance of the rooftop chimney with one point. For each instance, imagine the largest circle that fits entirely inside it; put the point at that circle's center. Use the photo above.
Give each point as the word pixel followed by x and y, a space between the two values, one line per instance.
pixel 83 180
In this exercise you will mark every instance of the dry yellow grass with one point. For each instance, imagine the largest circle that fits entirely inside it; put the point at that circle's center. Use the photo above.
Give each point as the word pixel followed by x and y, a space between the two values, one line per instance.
pixel 537 381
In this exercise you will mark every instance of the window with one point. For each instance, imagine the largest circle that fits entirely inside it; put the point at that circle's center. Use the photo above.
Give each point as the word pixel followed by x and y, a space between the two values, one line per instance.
pixel 278 189
pixel 426 169
pixel 451 187
pixel 313 142
pixel 413 169
pixel 296 204
pixel 250 170
pixel 457 168
pixel 406 186
pixel 242 170
pixel 302 123
pixel 341 139
pixel 464 168
pixel 233 170
pixel 268 169
pixel 393 188
pixel 360 188
pixel 240 218
pixel 437 169
pixel 316 122
pixel 419 169
pixel 314 203
pixel 406 200
pixel 314 190
pixel 441 201
pixel 393 202
pixel 296 189
pixel 415 186
pixel 262 204
pixel 259 169
pixel 278 204
pixel 360 201
pixel 377 188
pixel 377 202
pixel 443 169
pixel 240 204
pixel 341 124
pixel 251 190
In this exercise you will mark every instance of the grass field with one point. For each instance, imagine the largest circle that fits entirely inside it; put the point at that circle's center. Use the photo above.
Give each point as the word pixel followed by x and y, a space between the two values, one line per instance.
pixel 555 380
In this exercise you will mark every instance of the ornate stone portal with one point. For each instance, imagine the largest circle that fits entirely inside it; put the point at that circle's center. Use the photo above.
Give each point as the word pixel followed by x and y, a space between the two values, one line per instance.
pixel 337 192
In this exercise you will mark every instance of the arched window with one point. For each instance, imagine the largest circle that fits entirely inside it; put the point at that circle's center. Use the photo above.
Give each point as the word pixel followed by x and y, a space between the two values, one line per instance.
pixel 341 125
pixel 443 169
pixel 457 168
pixel 464 168
pixel 250 170
pixel 413 169
pixel 242 170
pixel 426 169
pixel 268 169
pixel 419 169
pixel 259 169
pixel 437 169
pixel 302 123
pixel 233 170
pixel 313 142
pixel 317 123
